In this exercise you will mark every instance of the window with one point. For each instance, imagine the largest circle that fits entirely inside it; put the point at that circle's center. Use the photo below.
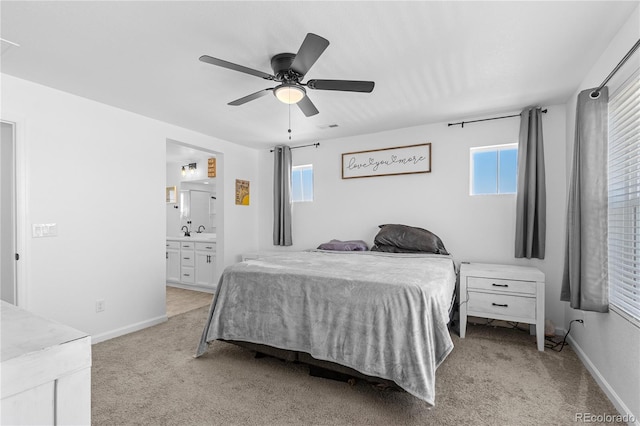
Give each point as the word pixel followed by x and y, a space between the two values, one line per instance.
pixel 302 183
pixel 624 199
pixel 494 169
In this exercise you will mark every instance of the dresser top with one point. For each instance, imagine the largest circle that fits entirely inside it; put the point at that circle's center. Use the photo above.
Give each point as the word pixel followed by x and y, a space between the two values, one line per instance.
pixel 495 270
pixel 24 332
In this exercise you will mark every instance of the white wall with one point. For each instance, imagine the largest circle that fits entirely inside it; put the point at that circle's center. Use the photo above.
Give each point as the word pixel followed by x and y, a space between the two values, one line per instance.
pixel 99 173
pixel 173 213
pixel 479 228
pixel 608 344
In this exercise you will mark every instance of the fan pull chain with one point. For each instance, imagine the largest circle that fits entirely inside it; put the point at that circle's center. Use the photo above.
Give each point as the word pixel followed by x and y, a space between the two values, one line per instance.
pixel 289 122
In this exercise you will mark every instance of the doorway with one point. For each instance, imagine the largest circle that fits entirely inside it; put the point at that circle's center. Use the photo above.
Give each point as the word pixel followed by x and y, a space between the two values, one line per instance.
pixel 195 175
pixel 8 251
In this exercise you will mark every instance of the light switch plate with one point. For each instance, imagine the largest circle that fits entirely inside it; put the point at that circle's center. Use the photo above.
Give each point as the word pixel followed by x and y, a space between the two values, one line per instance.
pixel 45 230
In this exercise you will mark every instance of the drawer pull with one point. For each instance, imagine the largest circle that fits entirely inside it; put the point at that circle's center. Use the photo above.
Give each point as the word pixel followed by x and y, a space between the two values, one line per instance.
pixel 500 304
pixel 209 247
pixel 500 285
pixel 186 258
pixel 186 275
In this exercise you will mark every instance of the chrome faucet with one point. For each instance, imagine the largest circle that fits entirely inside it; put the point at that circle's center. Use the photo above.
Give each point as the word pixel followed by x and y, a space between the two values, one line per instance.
pixel 201 226
pixel 186 231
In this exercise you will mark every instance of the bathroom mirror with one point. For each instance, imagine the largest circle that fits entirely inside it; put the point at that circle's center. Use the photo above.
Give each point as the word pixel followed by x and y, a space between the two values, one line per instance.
pixel 185 205
pixel 198 206
pixel 200 211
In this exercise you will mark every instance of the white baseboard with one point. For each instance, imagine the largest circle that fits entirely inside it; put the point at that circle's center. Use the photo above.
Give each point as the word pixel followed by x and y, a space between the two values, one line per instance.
pixel 127 329
pixel 192 287
pixel 602 382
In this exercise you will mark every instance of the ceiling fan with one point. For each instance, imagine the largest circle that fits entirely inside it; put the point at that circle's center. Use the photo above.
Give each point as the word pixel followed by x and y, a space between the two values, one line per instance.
pixel 289 69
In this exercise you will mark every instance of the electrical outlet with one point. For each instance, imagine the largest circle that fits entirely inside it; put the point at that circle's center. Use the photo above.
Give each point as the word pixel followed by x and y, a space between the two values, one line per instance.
pixel 100 305
pixel 580 318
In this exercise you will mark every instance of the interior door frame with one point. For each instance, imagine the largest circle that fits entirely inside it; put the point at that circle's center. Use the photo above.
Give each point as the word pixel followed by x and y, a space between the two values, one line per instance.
pixel 219 195
pixel 21 219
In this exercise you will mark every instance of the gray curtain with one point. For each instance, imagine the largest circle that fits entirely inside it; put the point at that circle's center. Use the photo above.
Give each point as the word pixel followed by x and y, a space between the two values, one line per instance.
pixel 585 280
pixel 282 196
pixel 531 201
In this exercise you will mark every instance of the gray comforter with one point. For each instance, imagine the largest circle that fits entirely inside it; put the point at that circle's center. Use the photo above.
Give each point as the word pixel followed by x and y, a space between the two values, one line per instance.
pixel 382 314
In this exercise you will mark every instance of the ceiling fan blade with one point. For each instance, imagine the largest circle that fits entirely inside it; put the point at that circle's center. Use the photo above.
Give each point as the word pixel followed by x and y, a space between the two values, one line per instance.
pixel 309 52
pixel 342 85
pixel 307 107
pixel 250 97
pixel 235 67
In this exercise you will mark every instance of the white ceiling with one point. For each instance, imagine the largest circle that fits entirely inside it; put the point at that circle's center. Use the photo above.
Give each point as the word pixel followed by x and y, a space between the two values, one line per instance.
pixel 431 61
pixel 181 154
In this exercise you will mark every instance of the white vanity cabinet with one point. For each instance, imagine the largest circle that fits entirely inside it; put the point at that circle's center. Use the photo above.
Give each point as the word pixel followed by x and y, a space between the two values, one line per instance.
pixel 187 262
pixel 173 261
pixel 191 263
pixel 205 264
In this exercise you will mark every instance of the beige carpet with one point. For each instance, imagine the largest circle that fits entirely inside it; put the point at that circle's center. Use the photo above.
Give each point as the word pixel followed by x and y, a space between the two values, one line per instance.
pixel 493 377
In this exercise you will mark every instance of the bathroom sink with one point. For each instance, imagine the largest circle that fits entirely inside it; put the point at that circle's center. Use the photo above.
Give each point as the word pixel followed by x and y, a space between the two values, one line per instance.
pixel 207 235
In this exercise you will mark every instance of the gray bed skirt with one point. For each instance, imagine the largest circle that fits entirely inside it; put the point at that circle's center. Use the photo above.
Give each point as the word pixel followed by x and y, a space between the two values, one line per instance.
pixel 305 358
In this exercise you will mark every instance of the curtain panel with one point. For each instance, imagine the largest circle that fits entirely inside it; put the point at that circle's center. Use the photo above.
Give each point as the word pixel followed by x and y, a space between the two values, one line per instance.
pixel 282 196
pixel 585 279
pixel 531 201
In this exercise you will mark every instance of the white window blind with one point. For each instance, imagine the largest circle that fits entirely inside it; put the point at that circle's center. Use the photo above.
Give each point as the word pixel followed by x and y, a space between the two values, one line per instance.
pixel 624 198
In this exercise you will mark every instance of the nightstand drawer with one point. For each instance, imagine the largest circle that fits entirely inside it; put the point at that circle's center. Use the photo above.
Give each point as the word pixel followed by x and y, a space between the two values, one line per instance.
pixel 492 304
pixel 506 286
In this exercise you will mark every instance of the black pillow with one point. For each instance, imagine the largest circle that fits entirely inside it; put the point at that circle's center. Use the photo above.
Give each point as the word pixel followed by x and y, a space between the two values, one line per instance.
pixel 393 249
pixel 407 239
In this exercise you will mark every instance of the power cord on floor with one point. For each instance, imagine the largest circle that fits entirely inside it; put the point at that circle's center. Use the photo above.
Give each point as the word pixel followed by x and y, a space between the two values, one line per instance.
pixel 549 342
pixel 552 344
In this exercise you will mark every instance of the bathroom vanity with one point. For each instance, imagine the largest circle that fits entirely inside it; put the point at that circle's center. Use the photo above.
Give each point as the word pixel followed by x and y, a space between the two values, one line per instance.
pixel 191 262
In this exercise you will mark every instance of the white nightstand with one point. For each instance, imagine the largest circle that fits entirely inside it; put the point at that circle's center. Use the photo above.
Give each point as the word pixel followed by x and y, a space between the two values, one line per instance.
pixel 503 292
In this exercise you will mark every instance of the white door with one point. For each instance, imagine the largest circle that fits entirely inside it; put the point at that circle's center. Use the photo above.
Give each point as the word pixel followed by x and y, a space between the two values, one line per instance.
pixel 8 252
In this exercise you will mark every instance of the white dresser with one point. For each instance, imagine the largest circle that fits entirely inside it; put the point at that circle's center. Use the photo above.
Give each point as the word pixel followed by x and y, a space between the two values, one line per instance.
pixel 46 371
pixel 503 292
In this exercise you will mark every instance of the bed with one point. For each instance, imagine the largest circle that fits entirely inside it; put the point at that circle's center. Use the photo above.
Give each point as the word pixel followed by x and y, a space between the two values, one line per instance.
pixel 384 315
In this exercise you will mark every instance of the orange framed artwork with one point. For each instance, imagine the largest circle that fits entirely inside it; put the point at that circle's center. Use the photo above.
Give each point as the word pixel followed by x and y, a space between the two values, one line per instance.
pixel 242 192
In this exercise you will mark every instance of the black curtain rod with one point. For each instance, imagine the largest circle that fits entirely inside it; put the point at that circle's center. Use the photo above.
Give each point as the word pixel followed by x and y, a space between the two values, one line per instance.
pixel 596 93
pixel 317 144
pixel 462 123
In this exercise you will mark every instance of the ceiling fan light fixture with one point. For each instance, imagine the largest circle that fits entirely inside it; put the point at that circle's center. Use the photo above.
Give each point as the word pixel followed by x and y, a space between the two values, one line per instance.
pixel 289 93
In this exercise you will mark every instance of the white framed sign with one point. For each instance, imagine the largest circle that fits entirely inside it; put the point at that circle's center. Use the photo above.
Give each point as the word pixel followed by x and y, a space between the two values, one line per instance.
pixel 400 160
